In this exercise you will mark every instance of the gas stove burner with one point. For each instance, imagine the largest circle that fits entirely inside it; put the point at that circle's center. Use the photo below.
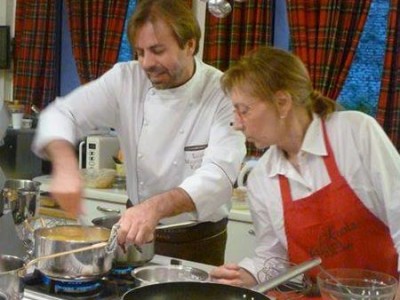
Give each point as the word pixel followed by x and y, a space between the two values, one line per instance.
pixel 121 271
pixel 72 287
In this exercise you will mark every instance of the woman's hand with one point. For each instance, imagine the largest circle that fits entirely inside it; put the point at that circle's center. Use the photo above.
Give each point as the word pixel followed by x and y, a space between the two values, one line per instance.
pixel 232 274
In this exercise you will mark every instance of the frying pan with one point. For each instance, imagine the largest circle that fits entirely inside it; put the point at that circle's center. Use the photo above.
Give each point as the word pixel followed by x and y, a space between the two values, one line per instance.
pixel 187 290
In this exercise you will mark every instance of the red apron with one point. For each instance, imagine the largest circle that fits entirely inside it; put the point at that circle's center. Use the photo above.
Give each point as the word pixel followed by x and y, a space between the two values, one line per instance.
pixel 334 224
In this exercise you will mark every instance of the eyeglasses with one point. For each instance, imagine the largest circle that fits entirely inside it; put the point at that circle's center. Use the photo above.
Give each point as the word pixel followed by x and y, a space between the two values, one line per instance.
pixel 242 110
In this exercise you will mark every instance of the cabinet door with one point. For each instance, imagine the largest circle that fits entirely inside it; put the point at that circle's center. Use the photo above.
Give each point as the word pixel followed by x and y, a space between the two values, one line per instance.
pixel 241 241
pixel 94 208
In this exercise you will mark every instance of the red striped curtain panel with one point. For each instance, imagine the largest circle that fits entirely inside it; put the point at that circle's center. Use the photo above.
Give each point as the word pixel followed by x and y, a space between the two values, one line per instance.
pixel 35 68
pixel 325 35
pixel 96 31
pixel 389 102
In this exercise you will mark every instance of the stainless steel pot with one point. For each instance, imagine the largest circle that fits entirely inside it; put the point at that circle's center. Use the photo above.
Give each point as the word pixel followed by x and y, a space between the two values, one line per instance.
pixel 81 266
pixel 157 274
pixel 11 284
pixel 20 197
pixel 135 255
pixel 132 255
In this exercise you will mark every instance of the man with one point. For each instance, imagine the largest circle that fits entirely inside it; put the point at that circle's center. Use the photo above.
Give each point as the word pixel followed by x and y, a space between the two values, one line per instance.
pixel 172 119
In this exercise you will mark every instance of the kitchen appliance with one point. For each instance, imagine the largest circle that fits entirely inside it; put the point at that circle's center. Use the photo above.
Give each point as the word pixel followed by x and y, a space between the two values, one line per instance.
pixel 117 283
pixel 97 151
pixel 109 287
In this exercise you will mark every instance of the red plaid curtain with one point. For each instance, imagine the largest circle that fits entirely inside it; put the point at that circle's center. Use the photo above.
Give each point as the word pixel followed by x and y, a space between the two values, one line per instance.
pixel 35 67
pixel 325 35
pixel 96 31
pixel 249 25
pixel 389 102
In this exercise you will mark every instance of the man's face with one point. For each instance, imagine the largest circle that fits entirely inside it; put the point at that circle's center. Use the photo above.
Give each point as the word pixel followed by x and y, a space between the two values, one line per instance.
pixel 165 63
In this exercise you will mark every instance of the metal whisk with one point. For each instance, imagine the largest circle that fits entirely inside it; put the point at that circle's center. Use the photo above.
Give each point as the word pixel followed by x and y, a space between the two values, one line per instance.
pixel 295 288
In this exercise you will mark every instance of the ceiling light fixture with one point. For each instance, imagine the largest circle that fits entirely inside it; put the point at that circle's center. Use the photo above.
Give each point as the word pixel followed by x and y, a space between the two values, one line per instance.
pixel 220 8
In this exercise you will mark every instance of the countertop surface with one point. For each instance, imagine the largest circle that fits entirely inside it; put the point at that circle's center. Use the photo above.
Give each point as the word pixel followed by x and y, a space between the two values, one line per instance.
pixel 120 196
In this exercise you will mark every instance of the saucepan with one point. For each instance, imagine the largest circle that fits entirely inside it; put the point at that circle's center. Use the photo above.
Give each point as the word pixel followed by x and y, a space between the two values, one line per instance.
pixel 197 290
pixel 134 255
pixel 75 252
pixel 63 253
pixel 11 284
pixel 20 196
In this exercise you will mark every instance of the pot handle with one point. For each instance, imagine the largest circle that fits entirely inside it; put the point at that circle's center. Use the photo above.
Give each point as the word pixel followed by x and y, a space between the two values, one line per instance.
pixel 289 274
pixel 112 240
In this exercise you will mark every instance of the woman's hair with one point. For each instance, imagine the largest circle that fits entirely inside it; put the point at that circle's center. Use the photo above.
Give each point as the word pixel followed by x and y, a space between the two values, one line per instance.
pixel 175 13
pixel 267 70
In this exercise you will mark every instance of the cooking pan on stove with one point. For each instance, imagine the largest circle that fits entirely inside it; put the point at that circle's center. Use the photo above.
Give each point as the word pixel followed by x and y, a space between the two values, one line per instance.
pixel 194 290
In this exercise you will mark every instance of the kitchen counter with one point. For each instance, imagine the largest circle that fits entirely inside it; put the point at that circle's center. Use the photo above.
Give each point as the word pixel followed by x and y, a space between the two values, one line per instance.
pixel 119 196
pixel 112 195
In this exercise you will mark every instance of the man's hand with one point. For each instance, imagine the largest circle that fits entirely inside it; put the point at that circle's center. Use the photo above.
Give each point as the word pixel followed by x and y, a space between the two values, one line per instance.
pixel 138 223
pixel 66 183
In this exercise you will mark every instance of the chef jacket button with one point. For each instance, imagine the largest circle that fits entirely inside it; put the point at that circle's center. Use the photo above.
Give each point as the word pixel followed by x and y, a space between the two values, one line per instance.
pixel 141 183
pixel 145 123
pixel 140 155
pixel 174 163
pixel 181 131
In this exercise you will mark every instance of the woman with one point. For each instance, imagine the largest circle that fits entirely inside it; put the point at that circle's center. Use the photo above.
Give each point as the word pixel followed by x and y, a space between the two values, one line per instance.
pixel 328 185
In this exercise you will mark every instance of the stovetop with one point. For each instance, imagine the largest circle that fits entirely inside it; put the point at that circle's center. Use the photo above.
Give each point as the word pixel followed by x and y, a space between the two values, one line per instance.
pixel 110 287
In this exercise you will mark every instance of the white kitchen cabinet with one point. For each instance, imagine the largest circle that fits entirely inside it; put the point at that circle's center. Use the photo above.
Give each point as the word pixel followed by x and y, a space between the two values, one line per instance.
pixel 241 241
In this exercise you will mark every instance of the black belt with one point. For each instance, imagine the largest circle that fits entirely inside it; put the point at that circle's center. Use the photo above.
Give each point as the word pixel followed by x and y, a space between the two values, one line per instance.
pixel 198 231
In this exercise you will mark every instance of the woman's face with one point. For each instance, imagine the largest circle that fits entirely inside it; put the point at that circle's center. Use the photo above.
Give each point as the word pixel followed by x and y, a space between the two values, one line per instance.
pixel 258 120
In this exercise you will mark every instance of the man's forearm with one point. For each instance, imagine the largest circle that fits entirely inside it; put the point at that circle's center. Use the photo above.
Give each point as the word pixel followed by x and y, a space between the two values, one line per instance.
pixel 171 203
pixel 61 154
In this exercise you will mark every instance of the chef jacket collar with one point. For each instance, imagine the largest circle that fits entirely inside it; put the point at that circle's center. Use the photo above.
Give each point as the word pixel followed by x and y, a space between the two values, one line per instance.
pixel 313 143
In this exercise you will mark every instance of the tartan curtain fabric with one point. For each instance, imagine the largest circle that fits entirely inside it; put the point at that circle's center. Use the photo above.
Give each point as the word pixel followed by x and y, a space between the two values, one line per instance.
pixel 250 24
pixel 35 62
pixel 388 114
pixel 96 31
pixel 325 35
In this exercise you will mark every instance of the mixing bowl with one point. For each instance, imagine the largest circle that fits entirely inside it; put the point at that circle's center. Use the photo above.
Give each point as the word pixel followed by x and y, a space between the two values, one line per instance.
pixel 356 284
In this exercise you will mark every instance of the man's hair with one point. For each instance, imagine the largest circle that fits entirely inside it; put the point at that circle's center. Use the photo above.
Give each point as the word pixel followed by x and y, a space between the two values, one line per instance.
pixel 175 13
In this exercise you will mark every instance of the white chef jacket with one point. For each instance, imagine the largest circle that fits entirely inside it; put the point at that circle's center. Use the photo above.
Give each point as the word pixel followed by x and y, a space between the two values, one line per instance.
pixel 365 157
pixel 174 137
